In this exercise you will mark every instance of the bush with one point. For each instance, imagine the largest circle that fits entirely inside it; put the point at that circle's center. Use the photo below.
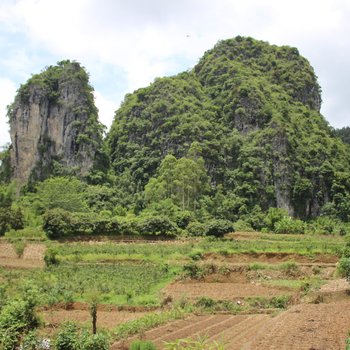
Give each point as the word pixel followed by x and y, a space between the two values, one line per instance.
pixel 183 218
pixel 57 223
pixel 50 257
pixel 156 225
pixel 11 218
pixel 242 226
pixel 290 225
pixel 67 337
pixel 142 345
pixel 273 216
pixel 329 226
pixel 17 318
pixel 61 223
pixel 344 268
pixel 70 337
pixel 31 341
pixel 218 228
pixel 196 228
pixel 97 341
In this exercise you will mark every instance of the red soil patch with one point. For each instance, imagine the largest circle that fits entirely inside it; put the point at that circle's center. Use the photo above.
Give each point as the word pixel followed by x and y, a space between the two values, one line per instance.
pixel 219 291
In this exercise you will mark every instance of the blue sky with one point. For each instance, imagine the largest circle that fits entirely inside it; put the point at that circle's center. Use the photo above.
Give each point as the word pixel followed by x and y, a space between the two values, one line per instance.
pixel 126 44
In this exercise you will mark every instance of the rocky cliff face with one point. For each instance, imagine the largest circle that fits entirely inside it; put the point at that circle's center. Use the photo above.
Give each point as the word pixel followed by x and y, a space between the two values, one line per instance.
pixel 53 124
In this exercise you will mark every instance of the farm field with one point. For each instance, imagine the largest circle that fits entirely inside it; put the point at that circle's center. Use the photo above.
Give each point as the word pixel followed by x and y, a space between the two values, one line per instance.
pixel 247 291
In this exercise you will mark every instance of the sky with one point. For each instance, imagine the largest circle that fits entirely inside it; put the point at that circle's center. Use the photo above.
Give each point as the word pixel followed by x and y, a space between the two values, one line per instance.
pixel 126 44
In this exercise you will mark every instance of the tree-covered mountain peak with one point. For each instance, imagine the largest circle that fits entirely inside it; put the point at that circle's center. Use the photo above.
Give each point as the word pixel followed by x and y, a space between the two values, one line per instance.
pixel 253 108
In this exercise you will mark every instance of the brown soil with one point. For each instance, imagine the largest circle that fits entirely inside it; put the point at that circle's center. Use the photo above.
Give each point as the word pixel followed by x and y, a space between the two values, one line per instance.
pixel 303 327
pixel 105 319
pixel 272 258
pixel 32 257
pixel 218 291
pixel 19 263
pixel 7 251
pixel 34 252
pixel 308 326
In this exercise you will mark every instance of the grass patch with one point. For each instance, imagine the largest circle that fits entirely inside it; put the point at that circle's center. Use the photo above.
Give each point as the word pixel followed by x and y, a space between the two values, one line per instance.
pixel 28 233
pixel 149 321
pixel 303 285
pixel 288 266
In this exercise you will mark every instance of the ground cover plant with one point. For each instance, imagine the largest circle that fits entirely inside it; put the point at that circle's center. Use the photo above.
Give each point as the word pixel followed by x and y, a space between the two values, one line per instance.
pixel 116 284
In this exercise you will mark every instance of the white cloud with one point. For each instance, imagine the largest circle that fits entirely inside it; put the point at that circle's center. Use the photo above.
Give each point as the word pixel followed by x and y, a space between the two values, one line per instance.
pixel 8 89
pixel 145 39
pixel 106 108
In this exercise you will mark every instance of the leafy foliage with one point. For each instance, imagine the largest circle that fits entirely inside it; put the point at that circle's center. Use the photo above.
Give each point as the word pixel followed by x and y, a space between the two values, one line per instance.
pixel 17 318
pixel 249 113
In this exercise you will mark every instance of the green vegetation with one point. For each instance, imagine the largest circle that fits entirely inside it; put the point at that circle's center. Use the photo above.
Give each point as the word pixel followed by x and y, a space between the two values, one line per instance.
pixel 237 144
pixel 71 282
pixel 142 345
pixel 149 321
pixel 344 134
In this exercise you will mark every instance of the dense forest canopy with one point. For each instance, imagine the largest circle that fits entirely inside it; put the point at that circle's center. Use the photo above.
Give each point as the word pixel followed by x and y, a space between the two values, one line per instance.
pixel 225 142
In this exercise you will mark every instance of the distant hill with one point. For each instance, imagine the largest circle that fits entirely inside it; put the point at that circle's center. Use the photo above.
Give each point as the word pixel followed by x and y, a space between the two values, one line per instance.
pixel 238 134
pixel 252 112
pixel 344 134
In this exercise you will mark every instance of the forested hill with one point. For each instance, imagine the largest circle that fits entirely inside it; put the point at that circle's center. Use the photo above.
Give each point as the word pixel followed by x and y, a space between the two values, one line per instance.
pixel 238 134
pixel 246 119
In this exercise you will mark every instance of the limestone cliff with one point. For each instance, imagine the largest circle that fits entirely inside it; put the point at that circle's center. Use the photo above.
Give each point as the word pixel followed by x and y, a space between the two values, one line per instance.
pixel 53 124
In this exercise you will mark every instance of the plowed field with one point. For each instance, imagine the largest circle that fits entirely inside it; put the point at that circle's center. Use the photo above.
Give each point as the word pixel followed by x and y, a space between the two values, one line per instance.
pixel 303 327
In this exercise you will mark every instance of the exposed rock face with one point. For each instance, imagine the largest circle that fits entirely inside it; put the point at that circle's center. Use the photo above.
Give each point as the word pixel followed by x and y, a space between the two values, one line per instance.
pixel 53 123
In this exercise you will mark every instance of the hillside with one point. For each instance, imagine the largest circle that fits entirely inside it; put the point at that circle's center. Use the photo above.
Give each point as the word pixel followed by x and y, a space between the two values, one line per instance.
pixel 53 124
pixel 238 134
pixel 252 112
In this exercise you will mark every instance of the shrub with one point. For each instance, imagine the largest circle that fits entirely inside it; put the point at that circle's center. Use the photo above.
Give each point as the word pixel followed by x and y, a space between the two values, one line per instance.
pixel 205 302
pixel 50 257
pixel 242 226
pixel 183 218
pixel 142 345
pixel 67 337
pixel 218 228
pixel 11 218
pixel 273 216
pixel 329 226
pixel 196 228
pixel 344 268
pixel 290 225
pixel 17 318
pixel 57 223
pixel 156 225
pixel 31 341
pixel 97 341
